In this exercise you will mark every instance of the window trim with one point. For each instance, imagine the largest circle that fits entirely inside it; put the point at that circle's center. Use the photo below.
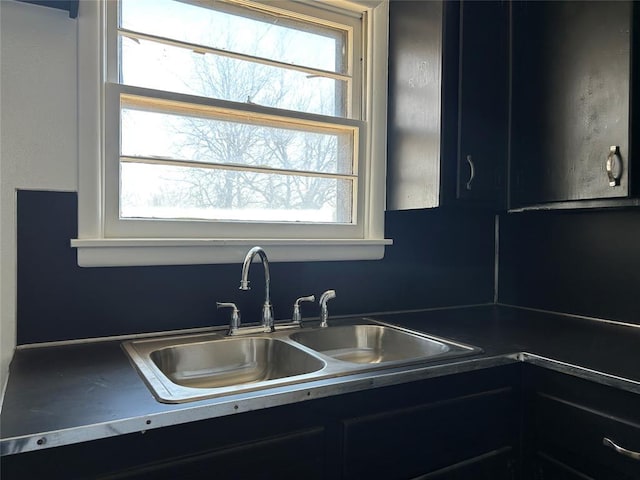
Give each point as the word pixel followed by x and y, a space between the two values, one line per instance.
pixel 95 248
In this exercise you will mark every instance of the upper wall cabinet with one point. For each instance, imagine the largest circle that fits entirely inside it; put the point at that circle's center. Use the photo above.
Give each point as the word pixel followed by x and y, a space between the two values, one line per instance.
pixel 571 133
pixel 448 104
pixel 483 91
pixel 415 79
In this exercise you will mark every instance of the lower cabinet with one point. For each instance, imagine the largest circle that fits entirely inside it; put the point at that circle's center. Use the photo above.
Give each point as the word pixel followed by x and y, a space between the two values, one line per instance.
pixel 572 428
pixel 279 443
pixel 408 442
pixel 278 457
pixel 460 426
pixel 463 426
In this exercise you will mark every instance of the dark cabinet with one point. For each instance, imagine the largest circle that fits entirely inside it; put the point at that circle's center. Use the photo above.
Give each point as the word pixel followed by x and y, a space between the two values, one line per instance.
pixel 572 111
pixel 525 105
pixel 572 425
pixel 278 443
pixel 414 125
pixel 277 457
pixel 448 104
pixel 483 94
pixel 409 442
pixel 444 428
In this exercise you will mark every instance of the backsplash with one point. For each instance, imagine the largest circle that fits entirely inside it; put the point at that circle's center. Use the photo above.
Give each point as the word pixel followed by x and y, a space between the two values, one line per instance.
pixel 439 258
pixel 578 262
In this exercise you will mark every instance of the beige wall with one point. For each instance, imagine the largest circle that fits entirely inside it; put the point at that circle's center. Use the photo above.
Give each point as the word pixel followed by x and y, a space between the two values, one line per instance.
pixel 38 129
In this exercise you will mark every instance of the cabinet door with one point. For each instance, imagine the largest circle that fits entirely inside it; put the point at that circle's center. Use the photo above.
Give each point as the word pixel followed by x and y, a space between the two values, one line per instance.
pixel 483 102
pixel 288 442
pixel 571 71
pixel 408 442
pixel 293 456
pixel 415 69
pixel 576 434
pixel 567 422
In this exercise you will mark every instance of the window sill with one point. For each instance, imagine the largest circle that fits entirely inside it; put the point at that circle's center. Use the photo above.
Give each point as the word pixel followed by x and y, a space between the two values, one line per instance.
pixel 177 251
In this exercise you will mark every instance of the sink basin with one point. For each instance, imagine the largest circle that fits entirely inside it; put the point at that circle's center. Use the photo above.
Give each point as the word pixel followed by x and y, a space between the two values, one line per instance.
pixel 184 368
pixel 193 367
pixel 370 344
pixel 233 361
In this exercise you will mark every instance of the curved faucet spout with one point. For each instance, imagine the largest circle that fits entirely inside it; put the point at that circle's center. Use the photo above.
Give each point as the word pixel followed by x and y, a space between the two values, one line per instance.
pixel 267 310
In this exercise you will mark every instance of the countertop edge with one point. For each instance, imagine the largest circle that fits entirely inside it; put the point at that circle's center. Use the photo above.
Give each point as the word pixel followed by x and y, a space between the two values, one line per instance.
pixel 581 372
pixel 235 404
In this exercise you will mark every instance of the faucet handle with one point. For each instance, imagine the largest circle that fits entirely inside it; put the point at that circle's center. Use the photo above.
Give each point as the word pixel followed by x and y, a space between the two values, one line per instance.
pixel 297 316
pixel 234 324
pixel 324 312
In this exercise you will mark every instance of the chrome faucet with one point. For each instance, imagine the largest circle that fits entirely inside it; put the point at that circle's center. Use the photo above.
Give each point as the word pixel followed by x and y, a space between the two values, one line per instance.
pixel 267 309
pixel 324 312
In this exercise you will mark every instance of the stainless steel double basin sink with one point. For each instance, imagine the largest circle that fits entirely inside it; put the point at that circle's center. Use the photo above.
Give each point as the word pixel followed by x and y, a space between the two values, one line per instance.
pixel 194 367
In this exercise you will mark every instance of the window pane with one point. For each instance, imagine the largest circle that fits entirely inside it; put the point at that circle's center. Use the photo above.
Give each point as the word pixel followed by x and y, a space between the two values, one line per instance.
pixel 152 134
pixel 164 67
pixel 261 35
pixel 171 192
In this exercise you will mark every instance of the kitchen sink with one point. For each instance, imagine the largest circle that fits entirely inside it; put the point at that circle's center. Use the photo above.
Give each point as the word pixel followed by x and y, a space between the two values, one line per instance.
pixel 234 361
pixel 185 368
pixel 370 344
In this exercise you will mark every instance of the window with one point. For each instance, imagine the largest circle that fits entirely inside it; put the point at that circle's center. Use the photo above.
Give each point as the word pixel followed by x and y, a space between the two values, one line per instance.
pixel 222 124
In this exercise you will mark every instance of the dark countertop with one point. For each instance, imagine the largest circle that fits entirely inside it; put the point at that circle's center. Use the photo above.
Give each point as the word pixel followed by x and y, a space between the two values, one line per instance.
pixel 604 347
pixel 59 395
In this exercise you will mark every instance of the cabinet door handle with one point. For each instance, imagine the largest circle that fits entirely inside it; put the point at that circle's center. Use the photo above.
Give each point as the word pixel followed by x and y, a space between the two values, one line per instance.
pixel 472 172
pixel 614 166
pixel 621 450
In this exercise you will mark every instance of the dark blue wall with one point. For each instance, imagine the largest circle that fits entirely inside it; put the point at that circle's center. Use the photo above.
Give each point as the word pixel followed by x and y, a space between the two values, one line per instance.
pixel 579 262
pixel 440 258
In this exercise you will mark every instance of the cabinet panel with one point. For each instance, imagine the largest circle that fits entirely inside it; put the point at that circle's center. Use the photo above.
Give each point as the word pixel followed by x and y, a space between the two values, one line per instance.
pixel 566 421
pixel 281 442
pixel 295 456
pixel 483 102
pixel 408 442
pixel 571 79
pixel 448 104
pixel 415 69
pixel 578 432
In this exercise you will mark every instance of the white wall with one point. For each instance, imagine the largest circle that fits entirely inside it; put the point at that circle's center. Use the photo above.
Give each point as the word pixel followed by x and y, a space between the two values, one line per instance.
pixel 38 129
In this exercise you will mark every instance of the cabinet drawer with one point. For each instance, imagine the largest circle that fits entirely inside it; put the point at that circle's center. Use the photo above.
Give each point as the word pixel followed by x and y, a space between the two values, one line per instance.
pixel 576 433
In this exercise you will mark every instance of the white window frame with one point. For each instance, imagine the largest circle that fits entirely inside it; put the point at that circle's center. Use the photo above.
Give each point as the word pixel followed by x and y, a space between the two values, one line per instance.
pixel 102 242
